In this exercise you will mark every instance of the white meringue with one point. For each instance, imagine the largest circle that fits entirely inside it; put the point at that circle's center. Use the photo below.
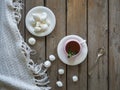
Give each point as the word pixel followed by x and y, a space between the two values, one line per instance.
pixel 75 78
pixel 36 17
pixel 38 24
pixel 61 71
pixel 31 41
pixel 52 57
pixel 37 29
pixel 32 21
pixel 44 26
pixel 43 16
pixel 59 84
pixel 47 64
pixel 48 22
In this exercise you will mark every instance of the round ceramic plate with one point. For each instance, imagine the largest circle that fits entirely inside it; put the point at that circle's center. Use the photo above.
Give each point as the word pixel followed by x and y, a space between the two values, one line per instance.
pixel 38 10
pixel 76 60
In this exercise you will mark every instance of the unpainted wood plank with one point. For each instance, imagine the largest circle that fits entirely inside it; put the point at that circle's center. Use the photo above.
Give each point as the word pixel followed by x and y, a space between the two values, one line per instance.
pixel 114 44
pixel 76 24
pixel 40 44
pixel 98 38
pixel 59 9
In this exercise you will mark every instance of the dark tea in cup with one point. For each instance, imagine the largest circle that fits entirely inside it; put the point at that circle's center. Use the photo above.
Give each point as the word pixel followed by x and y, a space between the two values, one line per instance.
pixel 72 48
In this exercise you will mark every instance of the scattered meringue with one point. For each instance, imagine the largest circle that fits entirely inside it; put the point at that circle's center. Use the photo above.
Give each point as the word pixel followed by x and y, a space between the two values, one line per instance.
pixel 59 84
pixel 47 64
pixel 75 78
pixel 52 57
pixel 61 71
pixel 37 29
pixel 31 41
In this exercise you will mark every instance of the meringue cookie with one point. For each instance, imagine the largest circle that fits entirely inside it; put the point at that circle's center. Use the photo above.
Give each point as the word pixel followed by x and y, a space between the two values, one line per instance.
pixel 59 84
pixel 61 71
pixel 38 24
pixel 47 64
pixel 44 26
pixel 43 16
pixel 32 21
pixel 48 22
pixel 31 41
pixel 36 17
pixel 52 57
pixel 37 29
pixel 75 78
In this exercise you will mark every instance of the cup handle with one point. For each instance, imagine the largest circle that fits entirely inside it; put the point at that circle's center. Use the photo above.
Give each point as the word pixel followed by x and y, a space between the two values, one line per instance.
pixel 84 41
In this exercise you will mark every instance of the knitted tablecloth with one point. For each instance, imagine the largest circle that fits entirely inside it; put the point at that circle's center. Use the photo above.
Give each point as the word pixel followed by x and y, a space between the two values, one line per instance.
pixel 17 70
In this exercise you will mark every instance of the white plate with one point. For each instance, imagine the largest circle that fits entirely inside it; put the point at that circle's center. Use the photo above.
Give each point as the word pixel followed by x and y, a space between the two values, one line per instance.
pixel 37 10
pixel 72 61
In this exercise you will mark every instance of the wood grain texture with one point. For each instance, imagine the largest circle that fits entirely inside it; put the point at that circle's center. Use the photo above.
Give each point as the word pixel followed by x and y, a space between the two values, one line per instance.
pixel 98 38
pixel 40 44
pixel 59 9
pixel 76 24
pixel 114 45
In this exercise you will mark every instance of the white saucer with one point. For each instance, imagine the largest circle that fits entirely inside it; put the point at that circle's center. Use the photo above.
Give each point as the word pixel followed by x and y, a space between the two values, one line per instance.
pixel 37 10
pixel 72 61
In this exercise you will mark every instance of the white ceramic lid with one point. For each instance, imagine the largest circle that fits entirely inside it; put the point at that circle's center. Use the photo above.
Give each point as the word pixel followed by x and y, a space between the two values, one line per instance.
pixel 76 60
pixel 38 10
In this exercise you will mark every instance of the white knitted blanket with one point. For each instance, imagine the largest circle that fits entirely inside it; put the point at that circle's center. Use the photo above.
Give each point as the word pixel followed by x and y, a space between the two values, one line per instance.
pixel 17 70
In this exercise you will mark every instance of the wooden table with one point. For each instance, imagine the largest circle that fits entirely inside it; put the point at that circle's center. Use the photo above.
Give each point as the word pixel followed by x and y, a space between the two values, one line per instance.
pixel 97 21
